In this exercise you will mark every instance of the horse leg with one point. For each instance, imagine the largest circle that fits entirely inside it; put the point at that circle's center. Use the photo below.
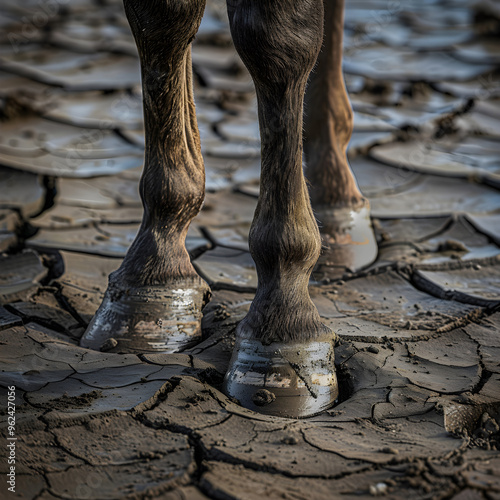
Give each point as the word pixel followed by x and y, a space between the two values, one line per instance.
pixel 153 301
pixel 343 213
pixel 283 362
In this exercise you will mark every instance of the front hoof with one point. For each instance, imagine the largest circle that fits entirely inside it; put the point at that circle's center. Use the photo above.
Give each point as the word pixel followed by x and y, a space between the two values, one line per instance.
pixel 348 237
pixel 286 379
pixel 147 319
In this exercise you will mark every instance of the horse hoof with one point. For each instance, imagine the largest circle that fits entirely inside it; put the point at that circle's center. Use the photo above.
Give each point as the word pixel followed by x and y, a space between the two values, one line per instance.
pixel 147 319
pixel 348 238
pixel 286 379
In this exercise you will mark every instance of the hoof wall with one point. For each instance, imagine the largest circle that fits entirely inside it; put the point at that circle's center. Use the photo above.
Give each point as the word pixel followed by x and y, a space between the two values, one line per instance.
pixel 292 379
pixel 146 320
pixel 348 238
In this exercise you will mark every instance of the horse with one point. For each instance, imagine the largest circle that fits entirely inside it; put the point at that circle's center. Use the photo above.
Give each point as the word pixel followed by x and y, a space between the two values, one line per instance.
pixel 283 359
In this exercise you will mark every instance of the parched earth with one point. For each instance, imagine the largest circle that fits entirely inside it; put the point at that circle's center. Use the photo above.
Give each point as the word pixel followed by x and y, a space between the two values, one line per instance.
pixel 419 351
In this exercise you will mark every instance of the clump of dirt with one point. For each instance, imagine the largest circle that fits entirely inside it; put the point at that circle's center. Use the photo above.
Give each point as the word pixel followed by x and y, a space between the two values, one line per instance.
pixel 429 479
pixel 452 245
pixel 108 345
pixel 15 106
pixel 221 313
pixel 487 433
pixel 263 397
pixel 195 399
pixel 83 400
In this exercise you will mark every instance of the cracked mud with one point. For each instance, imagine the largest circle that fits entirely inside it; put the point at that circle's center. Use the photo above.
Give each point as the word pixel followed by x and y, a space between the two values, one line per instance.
pixel 418 360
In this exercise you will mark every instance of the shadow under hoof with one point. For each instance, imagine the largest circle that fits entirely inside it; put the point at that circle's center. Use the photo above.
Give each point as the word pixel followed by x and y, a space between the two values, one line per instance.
pixel 286 379
pixel 147 319
pixel 348 238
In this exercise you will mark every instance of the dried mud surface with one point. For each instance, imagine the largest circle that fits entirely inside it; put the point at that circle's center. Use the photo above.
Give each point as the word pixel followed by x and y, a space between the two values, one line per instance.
pixel 419 351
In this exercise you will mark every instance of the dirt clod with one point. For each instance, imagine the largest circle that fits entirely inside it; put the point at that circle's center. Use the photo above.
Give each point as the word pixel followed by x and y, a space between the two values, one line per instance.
pixel 263 397
pixel 108 345
pixel 290 440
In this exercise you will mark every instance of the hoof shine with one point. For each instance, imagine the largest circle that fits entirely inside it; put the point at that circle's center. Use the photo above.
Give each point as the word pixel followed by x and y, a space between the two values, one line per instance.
pixel 146 320
pixel 286 379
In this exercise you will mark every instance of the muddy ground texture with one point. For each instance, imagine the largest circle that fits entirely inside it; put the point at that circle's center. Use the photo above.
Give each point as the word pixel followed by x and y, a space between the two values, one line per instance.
pixel 419 352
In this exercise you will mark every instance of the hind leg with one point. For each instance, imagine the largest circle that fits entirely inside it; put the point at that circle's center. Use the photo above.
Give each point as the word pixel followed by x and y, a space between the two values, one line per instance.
pixel 154 300
pixel 343 213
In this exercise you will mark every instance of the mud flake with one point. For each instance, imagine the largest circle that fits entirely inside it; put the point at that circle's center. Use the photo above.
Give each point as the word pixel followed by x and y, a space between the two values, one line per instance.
pixel 411 230
pixel 490 357
pixel 85 280
pixel 8 320
pixel 436 376
pixel 461 240
pixel 117 481
pixel 38 452
pixel 30 485
pixel 172 412
pixel 232 433
pixel 419 440
pixel 437 196
pixel 85 193
pixel 457 350
pixel 119 439
pixel 107 242
pixel 491 388
pixel 125 398
pixel 229 269
pixel 92 109
pixel 360 405
pixel 434 157
pixel 404 401
pixel 237 480
pixel 231 237
pixel 108 378
pixel 488 224
pixel 31 372
pixel 225 208
pixel 91 361
pixel 65 217
pixel 21 191
pixel 403 64
pixel 390 301
pixel 76 72
pixel 20 272
pixel 469 285
pixel 266 450
pixel 57 166
pixel 52 317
